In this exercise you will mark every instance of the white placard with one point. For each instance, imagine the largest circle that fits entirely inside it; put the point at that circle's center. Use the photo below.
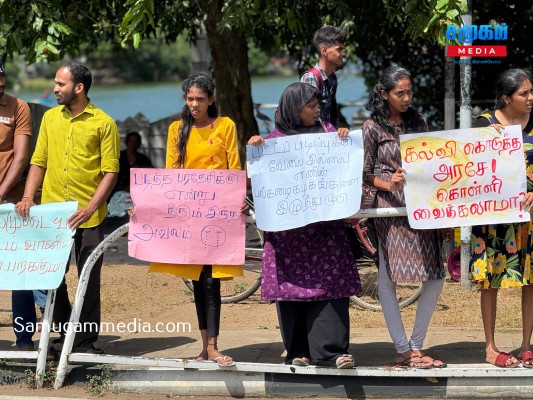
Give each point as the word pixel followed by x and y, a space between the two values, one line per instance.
pixel 464 177
pixel 301 179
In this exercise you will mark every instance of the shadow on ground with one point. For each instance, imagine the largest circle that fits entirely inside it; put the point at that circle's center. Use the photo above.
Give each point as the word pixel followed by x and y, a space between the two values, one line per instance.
pixel 136 347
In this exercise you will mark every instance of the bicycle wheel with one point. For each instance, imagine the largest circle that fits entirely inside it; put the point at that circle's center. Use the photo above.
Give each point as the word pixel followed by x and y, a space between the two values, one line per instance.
pixel 407 293
pixel 242 287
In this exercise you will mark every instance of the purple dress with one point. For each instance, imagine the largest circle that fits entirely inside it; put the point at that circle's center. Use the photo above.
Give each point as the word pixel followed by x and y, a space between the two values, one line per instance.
pixel 313 262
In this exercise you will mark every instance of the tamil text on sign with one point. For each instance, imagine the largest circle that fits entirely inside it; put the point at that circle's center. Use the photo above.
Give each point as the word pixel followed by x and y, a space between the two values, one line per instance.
pixel 187 216
pixel 300 179
pixel 35 249
pixel 464 177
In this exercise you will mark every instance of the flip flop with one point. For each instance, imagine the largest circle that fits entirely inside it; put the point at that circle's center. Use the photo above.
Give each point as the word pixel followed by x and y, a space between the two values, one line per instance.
pixel 221 360
pixel 502 359
pixel 432 361
pixel 527 359
pixel 411 362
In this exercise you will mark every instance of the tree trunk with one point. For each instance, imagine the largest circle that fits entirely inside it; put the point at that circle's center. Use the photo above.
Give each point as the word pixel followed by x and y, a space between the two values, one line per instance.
pixel 229 51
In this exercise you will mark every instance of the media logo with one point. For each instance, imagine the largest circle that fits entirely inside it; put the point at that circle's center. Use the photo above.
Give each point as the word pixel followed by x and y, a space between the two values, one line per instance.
pixel 468 33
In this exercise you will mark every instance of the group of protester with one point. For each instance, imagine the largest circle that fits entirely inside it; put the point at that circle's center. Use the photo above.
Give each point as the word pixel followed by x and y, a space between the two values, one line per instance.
pixel 309 272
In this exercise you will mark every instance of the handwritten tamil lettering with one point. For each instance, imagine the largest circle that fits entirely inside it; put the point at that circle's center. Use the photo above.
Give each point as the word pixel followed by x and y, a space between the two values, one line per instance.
pixel 35 249
pixel 187 216
pixel 301 179
pixel 464 177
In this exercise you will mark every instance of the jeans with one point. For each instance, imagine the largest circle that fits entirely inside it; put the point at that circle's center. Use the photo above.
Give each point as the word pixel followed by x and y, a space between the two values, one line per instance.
pixel 24 317
pixel 39 296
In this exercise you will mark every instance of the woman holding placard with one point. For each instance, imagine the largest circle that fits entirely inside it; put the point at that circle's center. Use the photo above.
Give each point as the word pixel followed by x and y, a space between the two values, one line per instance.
pixel 203 140
pixel 309 271
pixel 405 254
pixel 501 253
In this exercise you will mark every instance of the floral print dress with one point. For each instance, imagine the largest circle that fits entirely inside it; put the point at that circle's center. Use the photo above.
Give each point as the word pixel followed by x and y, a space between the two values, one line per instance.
pixel 501 253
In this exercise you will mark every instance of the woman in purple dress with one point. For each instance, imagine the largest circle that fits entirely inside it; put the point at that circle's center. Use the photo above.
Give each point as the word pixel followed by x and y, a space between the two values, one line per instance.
pixel 310 271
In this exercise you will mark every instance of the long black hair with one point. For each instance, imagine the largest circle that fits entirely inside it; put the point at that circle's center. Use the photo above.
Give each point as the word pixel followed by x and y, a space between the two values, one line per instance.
pixel 507 83
pixel 379 107
pixel 204 83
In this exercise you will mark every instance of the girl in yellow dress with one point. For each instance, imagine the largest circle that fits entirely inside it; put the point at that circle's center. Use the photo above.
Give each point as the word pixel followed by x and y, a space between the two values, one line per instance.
pixel 203 140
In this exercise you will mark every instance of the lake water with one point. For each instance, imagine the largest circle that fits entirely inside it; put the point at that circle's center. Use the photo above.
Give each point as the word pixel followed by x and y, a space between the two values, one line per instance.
pixel 157 101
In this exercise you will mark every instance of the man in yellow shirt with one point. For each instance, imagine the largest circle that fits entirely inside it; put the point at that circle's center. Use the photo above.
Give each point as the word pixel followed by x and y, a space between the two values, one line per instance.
pixel 76 159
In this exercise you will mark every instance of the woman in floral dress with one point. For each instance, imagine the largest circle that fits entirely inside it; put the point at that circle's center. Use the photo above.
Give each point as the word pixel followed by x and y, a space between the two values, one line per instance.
pixel 501 254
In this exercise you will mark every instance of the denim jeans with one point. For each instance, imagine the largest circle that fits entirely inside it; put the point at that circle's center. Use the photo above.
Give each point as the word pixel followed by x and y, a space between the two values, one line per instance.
pixel 24 316
pixel 39 296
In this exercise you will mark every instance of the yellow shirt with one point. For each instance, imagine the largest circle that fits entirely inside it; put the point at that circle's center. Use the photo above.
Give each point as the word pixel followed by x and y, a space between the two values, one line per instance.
pixel 76 152
pixel 212 147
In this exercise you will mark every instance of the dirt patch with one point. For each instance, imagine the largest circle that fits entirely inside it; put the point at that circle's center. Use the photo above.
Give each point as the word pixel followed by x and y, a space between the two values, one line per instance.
pixel 128 292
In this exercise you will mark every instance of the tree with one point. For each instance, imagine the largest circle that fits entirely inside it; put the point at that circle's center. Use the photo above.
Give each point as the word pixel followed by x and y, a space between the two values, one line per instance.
pixel 519 18
pixel 49 29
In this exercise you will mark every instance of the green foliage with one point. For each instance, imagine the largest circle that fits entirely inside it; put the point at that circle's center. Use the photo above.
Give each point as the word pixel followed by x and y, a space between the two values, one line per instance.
pixel 383 44
pixel 138 18
pixel 153 61
pixel 380 32
pixel 49 29
pixel 97 385
pixel 49 376
pixel 519 17
pixel 259 61
pixel 427 19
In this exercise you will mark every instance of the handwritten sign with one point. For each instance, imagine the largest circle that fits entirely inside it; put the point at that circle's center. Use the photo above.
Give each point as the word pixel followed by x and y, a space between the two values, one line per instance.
pixel 300 179
pixel 464 177
pixel 187 216
pixel 35 250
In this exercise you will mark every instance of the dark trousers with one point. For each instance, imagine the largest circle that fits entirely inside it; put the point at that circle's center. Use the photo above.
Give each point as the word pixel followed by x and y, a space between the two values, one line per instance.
pixel 85 241
pixel 208 301
pixel 24 317
pixel 319 330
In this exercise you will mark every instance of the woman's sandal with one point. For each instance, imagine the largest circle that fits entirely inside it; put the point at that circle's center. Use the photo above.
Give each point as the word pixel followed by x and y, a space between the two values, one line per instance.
pixel 223 361
pixel 433 361
pixel 503 358
pixel 414 362
pixel 527 359
pixel 300 361
pixel 345 361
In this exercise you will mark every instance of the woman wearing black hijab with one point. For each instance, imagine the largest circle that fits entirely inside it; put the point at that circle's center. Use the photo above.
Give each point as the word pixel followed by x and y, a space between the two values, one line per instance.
pixel 309 271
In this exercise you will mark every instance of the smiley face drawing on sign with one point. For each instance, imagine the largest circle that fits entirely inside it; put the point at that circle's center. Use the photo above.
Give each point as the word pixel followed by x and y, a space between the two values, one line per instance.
pixel 213 236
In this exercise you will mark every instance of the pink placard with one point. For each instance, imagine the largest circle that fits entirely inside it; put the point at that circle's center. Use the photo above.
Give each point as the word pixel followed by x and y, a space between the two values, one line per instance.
pixel 187 216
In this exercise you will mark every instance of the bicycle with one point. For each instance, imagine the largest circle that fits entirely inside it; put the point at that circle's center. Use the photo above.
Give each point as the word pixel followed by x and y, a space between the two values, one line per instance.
pixel 242 287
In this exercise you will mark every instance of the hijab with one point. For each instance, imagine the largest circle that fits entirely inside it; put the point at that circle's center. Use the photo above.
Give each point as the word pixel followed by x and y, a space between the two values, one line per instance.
pixel 291 102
